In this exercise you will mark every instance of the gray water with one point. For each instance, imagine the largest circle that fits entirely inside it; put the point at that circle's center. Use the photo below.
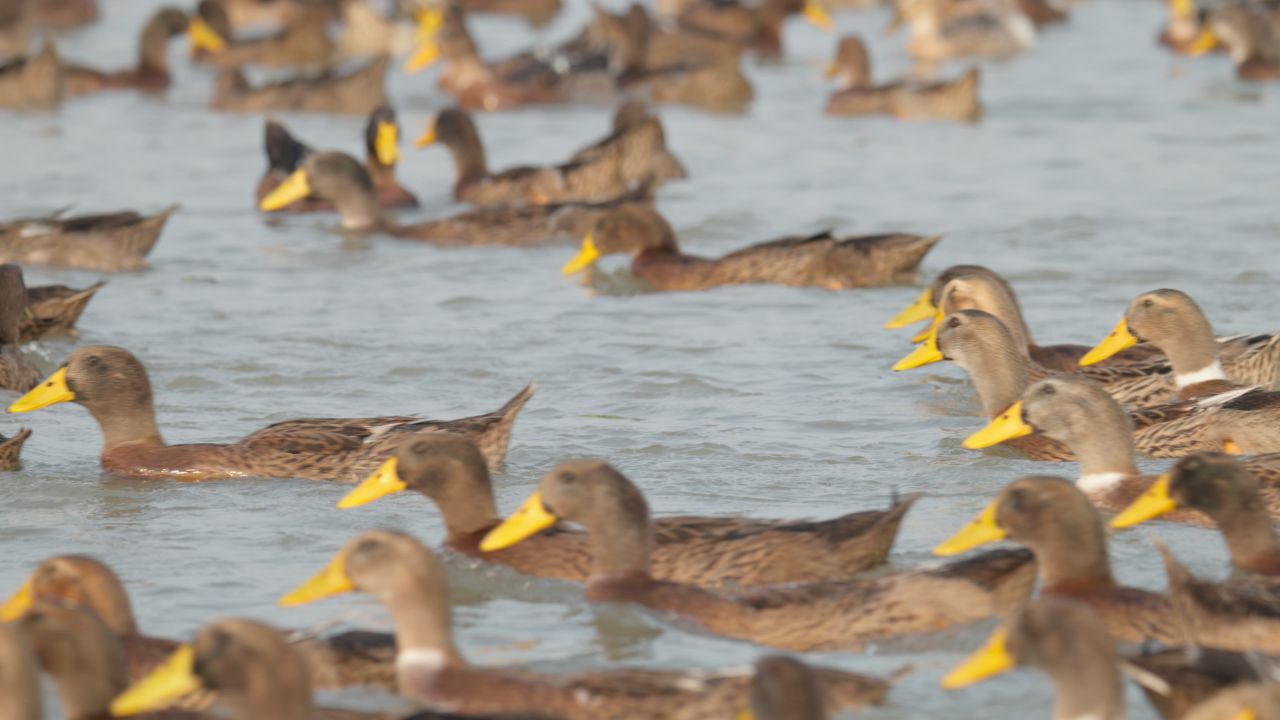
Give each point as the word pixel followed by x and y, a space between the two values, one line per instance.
pixel 1105 167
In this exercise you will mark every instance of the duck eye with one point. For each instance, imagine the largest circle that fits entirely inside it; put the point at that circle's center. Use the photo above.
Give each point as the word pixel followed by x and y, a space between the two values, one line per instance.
pixel 568 477
pixel 953 322
pixel 1048 390
pixel 1148 302
pixel 93 361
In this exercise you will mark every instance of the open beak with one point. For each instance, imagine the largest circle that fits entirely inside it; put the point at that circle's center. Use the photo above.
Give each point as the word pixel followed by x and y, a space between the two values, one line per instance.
pixel 52 391
pixel 531 519
pixel 1119 339
pixel 585 258
pixel 991 659
pixel 294 188
pixel 1151 504
pixel 385 481
pixel 1007 426
pixel 980 531
pixel 168 682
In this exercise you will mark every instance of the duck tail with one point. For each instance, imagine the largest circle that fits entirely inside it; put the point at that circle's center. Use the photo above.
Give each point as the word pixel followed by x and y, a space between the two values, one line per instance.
pixel 900 254
pixel 494 435
pixel 11 449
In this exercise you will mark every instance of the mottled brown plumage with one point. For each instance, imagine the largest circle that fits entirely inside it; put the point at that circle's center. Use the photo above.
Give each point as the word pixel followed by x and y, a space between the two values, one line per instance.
pixel 54 310
pixel 638 146
pixel 113 386
pixel 358 92
pixel 302 43
pixel 33 83
pixel 822 260
pixel 408 580
pixel 1058 523
pixel 955 100
pixel 784 688
pixel 11 450
pixel 285 155
pixel 1175 680
pixel 714 552
pixel 824 615
pixel 107 243
pixel 1245 34
pixel 1241 613
pixel 151 74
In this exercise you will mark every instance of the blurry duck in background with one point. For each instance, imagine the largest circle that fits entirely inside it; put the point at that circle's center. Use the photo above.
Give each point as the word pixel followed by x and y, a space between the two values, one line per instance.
pixel 302 43
pixel 33 83
pixel 757 28
pixel 108 243
pixel 904 99
pixel 1252 39
pixel 54 310
pixel 152 71
pixel 17 372
pixel 537 13
pixel 638 144
pixel 382 137
pixel 64 14
pixel 822 260
pixel 1184 33
pixel 357 92
pixel 949 29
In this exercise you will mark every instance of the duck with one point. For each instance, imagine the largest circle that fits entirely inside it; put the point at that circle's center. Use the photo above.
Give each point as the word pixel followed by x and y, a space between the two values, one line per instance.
pixel 947 30
pixel 1185 33
pixel 1173 322
pixel 820 260
pixel 596 179
pixel 1255 701
pixel 729 551
pixel 152 71
pixel 17 371
pixel 112 385
pixel 1248 41
pixel 19 676
pixel 784 688
pixel 1082 416
pixel 382 138
pixel 1063 639
pixel 54 310
pixel 110 242
pixel 33 83
pixel 955 100
pixel 1057 521
pixel 839 614
pixel 11 449
pixel 1180 679
pixel 974 287
pixel 755 28
pixel 341 180
pixel 985 349
pixel 409 581
pixel 85 660
pixel 358 92
pixel 15 29
pixel 303 43
pixel 65 14
pixel 637 143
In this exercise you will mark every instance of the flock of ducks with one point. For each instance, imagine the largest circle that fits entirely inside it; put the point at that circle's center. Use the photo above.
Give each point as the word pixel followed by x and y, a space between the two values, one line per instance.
pixel 1160 384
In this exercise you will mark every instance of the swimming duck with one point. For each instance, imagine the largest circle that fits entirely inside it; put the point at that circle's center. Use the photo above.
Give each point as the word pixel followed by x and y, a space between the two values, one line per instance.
pixel 107 243
pixel 339 179
pixel 946 30
pixel 821 260
pixel 637 145
pixel 112 385
pixel 19 676
pixel 1081 415
pixel 152 72
pixel 1246 38
pixel 1063 639
pixel 783 688
pixel 714 552
pixel 33 83
pixel 17 372
pixel 381 136
pixel 1057 521
pixel 1173 322
pixel 358 92
pixel 1185 32
pixel 303 43
pixel 756 28
pixel 54 310
pixel 825 615
pixel 1176 680
pixel 904 99
pixel 596 179
pixel 408 580
pixel 64 14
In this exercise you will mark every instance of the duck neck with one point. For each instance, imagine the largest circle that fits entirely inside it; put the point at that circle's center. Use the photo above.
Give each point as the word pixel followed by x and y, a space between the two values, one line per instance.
pixel 360 211
pixel 1073 555
pixel 620 544
pixel 1194 353
pixel 1103 445
pixel 1251 540
pixel 1088 687
pixel 468 158
pixel 419 607
pixel 153 48
pixel 466 503
pixel 999 376
pixel 122 425
pixel 19 681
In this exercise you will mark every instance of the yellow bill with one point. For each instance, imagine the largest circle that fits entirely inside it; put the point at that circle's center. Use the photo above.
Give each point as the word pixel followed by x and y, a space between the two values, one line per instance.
pixel 52 391
pixel 294 188
pixel 422 58
pixel 1119 339
pixel 1231 448
pixel 18 603
pixel 920 309
pixel 203 37
pixel 1007 426
pixel 428 137
pixel 1246 713
pixel 814 13
pixel 330 581
pixel 926 353
pixel 1182 8
pixel 585 258
pixel 1205 42
pixel 385 481
pixel 930 329
pixel 386 143
pixel 430 20
pixel 991 659
pixel 1151 504
pixel 168 682
pixel 980 531
pixel 529 520
pixel 830 70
